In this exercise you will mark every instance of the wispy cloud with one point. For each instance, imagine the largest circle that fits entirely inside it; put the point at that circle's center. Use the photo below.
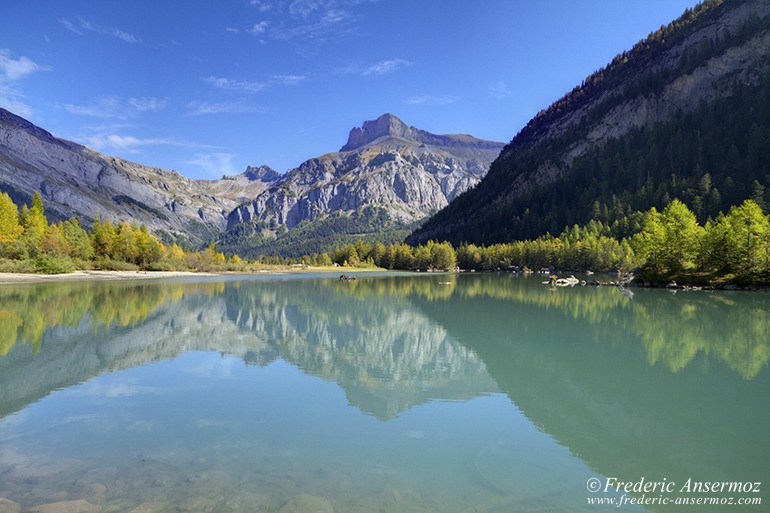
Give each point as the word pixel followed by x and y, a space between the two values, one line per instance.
pixel 114 107
pixel 12 70
pixel 214 164
pixel 85 25
pixel 234 107
pixel 499 89
pixel 287 79
pixel 232 29
pixel 251 87
pixel 432 99
pixel 236 85
pixel 259 28
pixel 386 67
pixel 70 26
pixel 145 104
pixel 264 5
pixel 130 144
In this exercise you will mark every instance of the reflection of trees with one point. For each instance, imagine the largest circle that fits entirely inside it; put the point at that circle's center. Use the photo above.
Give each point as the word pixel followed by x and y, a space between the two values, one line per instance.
pixel 736 329
pixel 367 337
pixel 26 312
pixel 672 328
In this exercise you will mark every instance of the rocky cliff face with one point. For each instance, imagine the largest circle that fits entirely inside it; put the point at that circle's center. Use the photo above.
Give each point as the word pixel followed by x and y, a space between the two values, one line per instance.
pixel 672 72
pixel 410 172
pixel 76 181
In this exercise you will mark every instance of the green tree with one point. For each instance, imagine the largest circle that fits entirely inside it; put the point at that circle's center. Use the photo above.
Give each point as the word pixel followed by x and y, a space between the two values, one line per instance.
pixel 34 223
pixel 747 238
pixel 10 229
pixel 77 238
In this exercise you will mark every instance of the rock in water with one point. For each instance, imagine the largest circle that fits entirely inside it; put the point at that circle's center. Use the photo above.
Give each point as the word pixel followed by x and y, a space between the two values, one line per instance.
pixel 8 506
pixel 78 506
pixel 307 504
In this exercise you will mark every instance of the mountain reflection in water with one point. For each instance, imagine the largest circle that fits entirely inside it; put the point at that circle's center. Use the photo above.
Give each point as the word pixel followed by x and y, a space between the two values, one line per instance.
pixel 655 385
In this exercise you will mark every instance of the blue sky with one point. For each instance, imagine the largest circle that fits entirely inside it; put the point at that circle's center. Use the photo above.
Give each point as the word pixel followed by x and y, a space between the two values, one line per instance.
pixel 209 87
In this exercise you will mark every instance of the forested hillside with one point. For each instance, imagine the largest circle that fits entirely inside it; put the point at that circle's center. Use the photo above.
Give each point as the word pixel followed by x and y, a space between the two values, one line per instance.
pixel 685 114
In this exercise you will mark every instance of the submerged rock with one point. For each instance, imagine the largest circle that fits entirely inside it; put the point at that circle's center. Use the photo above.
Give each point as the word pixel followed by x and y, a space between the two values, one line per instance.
pixel 149 507
pixel 307 504
pixel 78 506
pixel 8 506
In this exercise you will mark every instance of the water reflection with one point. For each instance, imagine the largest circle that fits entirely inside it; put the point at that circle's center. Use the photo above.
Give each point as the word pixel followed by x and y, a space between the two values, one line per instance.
pixel 655 385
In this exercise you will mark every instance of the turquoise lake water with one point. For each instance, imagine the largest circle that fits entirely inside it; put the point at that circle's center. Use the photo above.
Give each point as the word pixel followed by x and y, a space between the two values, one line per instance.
pixel 392 393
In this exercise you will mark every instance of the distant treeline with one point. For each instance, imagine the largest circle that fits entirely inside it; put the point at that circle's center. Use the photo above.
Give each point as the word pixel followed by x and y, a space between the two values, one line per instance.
pixel 665 245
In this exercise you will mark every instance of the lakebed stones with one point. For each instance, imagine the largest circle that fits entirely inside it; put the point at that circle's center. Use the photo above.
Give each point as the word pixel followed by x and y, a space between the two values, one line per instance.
pixel 76 506
pixel 307 504
pixel 8 506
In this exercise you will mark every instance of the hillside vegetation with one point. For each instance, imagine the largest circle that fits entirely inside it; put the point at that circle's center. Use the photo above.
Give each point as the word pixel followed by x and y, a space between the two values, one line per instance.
pixel 613 145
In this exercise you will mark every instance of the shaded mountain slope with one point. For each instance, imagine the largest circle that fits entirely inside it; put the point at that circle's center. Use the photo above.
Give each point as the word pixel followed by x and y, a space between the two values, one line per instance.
pixel 658 122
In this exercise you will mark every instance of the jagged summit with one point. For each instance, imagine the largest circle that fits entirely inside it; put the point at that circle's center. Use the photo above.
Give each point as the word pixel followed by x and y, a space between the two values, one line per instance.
pixel 385 125
pixel 264 173
pixel 389 126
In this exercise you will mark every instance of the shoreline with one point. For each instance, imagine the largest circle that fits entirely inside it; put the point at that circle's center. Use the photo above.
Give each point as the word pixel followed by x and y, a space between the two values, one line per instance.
pixel 89 275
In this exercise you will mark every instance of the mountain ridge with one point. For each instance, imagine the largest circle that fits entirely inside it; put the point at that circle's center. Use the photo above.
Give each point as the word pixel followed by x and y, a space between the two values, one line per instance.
pixel 403 173
pixel 715 51
pixel 74 180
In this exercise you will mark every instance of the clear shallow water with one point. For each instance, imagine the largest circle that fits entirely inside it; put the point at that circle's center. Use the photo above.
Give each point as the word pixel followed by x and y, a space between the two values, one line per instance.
pixel 392 393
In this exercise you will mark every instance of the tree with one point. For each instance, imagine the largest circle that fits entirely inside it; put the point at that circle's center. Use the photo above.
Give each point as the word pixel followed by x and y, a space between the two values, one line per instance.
pixel 747 238
pixel 34 223
pixel 681 237
pixel 10 229
pixel 77 238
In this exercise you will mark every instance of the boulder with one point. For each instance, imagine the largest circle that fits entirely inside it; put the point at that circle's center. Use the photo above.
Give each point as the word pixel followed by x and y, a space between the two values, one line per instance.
pixel 307 504
pixel 78 506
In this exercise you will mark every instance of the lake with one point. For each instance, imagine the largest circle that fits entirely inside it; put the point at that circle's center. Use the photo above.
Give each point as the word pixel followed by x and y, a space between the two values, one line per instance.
pixel 391 393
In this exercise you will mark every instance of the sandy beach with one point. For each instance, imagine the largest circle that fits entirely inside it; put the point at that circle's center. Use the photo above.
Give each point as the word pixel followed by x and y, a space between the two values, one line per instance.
pixel 149 275
pixel 96 275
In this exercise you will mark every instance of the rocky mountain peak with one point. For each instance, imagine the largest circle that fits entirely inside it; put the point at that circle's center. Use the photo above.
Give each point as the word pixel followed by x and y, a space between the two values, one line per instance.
pixel 385 125
pixel 264 173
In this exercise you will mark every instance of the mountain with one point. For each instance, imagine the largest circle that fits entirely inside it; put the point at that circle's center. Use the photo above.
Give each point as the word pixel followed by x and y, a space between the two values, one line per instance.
pixel 684 114
pixel 76 181
pixel 382 182
pixel 388 176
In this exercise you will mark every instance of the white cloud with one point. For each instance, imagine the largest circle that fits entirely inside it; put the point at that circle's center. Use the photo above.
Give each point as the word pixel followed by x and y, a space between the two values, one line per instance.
pixel 499 89
pixel 432 99
pixel 259 28
pixel 145 103
pixel 386 67
pixel 238 107
pixel 99 29
pixel 14 69
pixel 215 164
pixel 232 29
pixel 114 107
pixel 264 5
pixel 288 79
pixel 105 140
pixel 13 101
pixel 236 85
pixel 69 26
